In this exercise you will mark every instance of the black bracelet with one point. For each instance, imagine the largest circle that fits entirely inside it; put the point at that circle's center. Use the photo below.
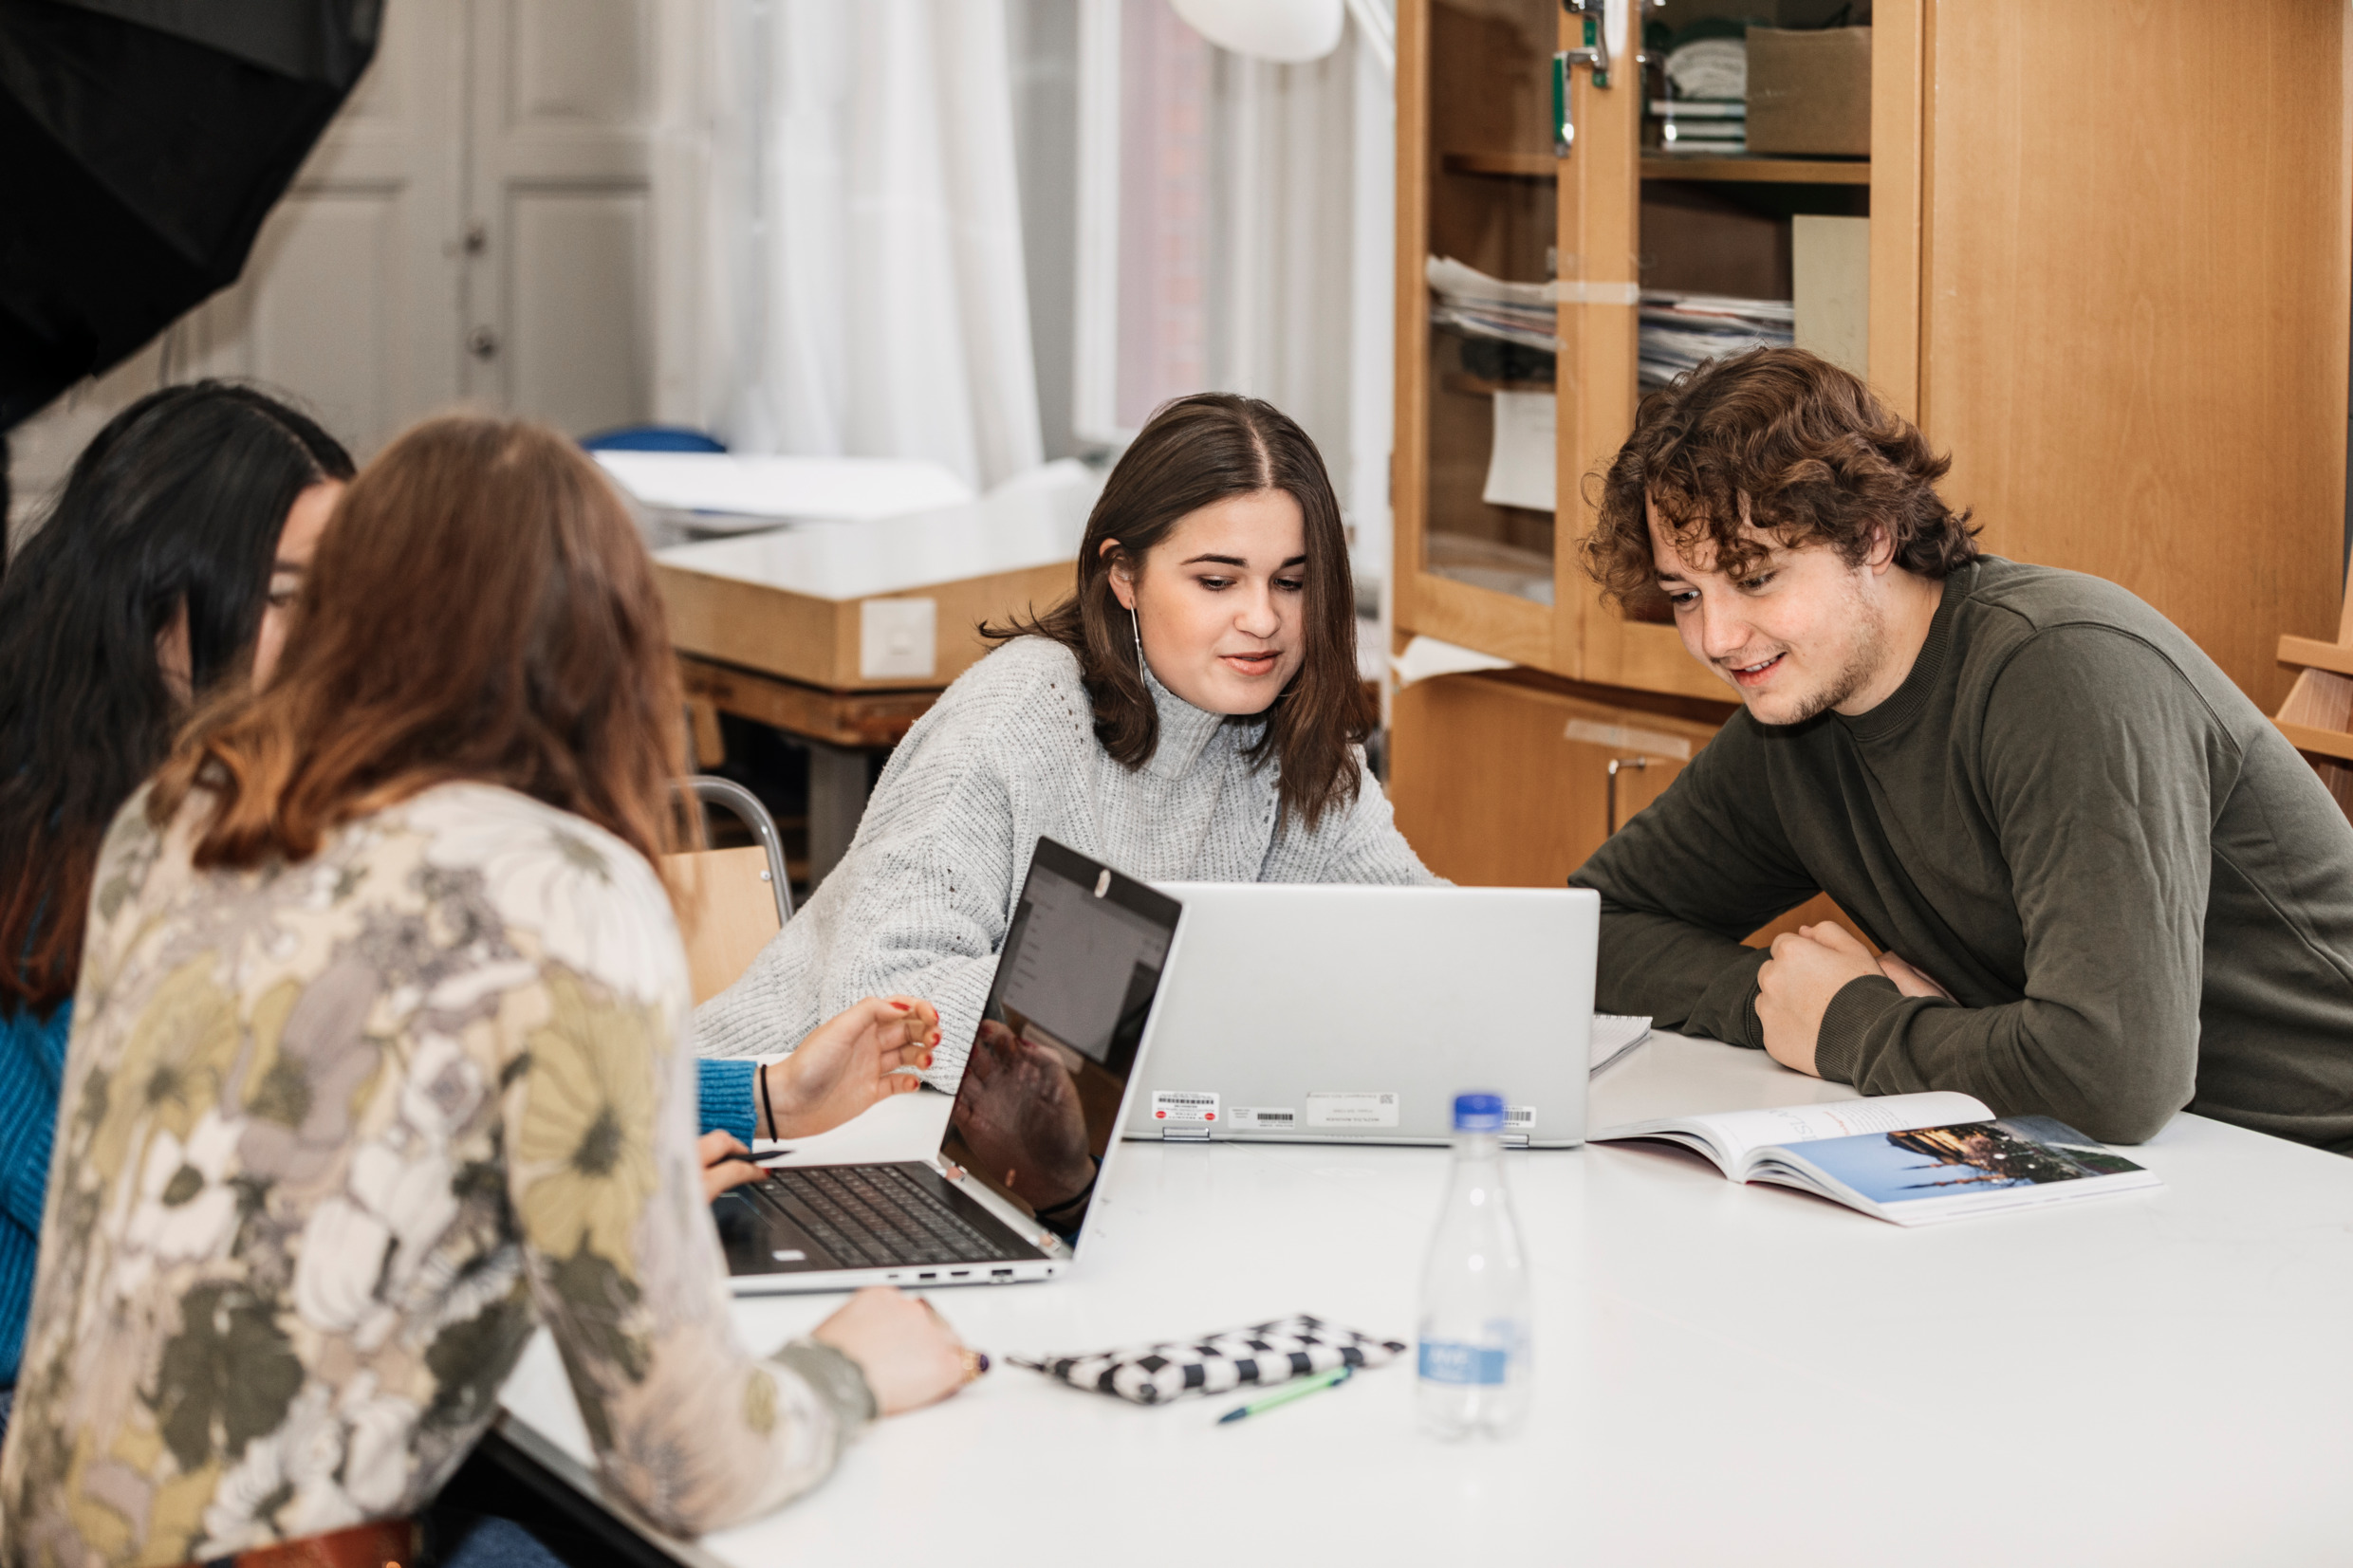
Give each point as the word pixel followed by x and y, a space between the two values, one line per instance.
pixel 760 1072
pixel 1075 1198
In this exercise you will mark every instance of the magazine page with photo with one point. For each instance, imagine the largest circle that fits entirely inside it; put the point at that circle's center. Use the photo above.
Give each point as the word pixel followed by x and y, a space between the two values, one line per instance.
pixel 1911 1159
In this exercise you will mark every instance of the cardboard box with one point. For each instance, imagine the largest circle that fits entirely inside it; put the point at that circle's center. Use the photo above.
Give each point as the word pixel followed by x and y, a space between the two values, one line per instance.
pixel 887 605
pixel 1809 93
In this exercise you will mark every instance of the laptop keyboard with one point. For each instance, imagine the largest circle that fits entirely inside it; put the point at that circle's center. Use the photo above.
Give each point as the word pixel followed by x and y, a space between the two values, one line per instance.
pixel 875 1215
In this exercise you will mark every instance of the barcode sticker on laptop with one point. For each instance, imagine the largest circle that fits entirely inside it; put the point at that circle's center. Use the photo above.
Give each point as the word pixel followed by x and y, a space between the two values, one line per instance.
pixel 1183 1106
pixel 1519 1118
pixel 1265 1118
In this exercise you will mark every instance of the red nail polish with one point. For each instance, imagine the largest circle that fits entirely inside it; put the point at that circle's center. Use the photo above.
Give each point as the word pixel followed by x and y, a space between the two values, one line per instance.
pixel 900 1006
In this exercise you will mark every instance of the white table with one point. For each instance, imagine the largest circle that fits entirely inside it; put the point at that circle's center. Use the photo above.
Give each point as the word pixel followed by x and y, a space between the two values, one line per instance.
pixel 1728 1374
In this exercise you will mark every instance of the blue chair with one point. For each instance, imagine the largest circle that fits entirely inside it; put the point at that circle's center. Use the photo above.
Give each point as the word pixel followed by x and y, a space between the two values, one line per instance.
pixel 652 438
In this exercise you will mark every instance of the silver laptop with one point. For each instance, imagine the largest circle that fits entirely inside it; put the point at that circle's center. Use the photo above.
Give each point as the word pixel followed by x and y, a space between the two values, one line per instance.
pixel 1032 1134
pixel 1356 1014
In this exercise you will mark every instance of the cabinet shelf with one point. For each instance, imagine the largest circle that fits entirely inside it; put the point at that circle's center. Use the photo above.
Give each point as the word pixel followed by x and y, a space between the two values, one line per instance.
pixel 1483 386
pixel 1525 165
pixel 1761 171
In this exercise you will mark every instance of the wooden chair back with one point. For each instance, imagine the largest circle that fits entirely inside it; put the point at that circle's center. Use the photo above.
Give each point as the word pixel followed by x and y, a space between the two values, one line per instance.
pixel 727 912
pixel 731 901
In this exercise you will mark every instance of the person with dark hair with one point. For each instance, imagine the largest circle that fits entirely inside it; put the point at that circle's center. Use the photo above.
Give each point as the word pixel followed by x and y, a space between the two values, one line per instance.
pixel 381 1063
pixel 165 571
pixel 1191 711
pixel 2103 886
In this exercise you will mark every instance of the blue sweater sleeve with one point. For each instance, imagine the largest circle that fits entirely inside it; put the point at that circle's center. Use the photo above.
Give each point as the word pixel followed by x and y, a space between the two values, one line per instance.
pixel 32 1071
pixel 723 1084
pixel 32 1075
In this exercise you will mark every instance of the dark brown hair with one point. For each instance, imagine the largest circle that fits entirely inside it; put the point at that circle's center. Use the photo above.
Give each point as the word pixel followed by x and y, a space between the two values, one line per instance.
pixel 1193 452
pixel 481 608
pixel 1814 454
pixel 176 504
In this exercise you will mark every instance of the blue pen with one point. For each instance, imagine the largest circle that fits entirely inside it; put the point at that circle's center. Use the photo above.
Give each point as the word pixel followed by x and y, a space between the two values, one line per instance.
pixel 1289 1391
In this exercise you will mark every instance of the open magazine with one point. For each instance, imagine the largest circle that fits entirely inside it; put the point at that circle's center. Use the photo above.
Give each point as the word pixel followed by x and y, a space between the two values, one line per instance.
pixel 1909 1158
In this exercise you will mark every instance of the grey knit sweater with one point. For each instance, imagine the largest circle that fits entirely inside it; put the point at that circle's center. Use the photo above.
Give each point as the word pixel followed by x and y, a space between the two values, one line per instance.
pixel 921 904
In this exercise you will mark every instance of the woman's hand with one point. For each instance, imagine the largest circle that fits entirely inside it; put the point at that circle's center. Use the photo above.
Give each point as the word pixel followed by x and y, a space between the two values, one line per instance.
pixel 867 1052
pixel 726 1164
pixel 909 1355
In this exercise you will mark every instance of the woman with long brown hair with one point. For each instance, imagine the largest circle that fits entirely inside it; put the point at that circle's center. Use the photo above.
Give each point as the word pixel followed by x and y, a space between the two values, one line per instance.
pixel 1191 711
pixel 378 1061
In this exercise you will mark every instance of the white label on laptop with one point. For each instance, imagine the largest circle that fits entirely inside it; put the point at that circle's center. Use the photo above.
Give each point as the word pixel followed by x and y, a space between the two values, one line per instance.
pixel 1519 1118
pixel 1183 1108
pixel 1349 1108
pixel 1265 1118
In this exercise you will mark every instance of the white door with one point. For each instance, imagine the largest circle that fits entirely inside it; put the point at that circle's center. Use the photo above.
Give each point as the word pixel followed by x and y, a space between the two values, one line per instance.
pixel 350 299
pixel 474 226
pixel 558 285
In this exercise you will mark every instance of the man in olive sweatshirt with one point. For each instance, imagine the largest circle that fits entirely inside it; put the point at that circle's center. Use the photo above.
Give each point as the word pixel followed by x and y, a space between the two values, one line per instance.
pixel 2104 887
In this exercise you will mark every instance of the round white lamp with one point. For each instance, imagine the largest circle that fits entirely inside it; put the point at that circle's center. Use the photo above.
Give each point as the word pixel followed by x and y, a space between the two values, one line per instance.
pixel 1290 32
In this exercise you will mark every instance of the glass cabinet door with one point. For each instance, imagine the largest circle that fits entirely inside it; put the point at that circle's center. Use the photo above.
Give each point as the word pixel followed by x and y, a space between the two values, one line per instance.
pixel 1559 255
pixel 1478 350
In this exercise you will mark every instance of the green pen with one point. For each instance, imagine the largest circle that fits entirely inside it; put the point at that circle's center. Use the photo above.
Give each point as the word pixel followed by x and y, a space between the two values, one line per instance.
pixel 1289 1391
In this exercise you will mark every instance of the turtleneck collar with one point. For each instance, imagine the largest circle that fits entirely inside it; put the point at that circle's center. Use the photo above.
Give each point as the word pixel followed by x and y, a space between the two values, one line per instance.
pixel 1185 730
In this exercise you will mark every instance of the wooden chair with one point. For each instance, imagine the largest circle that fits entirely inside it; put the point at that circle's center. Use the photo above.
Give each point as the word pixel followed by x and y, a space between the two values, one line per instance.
pixel 2317 718
pixel 731 900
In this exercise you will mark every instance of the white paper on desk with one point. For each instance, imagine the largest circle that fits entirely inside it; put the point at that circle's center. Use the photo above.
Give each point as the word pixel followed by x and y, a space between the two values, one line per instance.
pixel 1520 466
pixel 730 483
pixel 1425 658
pixel 1033 521
pixel 1614 1035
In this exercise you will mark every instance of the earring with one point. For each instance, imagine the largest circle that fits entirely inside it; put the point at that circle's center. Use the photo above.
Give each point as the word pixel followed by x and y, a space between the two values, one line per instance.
pixel 1138 627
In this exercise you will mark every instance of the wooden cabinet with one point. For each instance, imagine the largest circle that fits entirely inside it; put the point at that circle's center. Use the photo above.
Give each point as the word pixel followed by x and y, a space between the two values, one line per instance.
pixel 1508 782
pixel 1511 780
pixel 2108 270
pixel 2110 257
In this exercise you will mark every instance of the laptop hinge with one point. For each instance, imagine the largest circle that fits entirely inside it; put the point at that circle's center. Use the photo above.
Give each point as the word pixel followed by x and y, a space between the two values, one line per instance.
pixel 1516 1141
pixel 1184 1134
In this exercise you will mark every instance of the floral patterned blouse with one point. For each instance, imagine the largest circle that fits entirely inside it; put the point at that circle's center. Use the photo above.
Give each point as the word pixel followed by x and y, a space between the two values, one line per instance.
pixel 334 1138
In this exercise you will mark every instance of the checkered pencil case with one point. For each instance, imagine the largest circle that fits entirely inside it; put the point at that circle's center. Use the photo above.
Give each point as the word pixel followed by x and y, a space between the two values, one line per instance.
pixel 1252 1357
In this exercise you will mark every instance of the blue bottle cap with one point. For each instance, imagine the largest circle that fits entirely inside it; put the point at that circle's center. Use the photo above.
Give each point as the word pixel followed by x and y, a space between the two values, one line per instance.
pixel 1478 1113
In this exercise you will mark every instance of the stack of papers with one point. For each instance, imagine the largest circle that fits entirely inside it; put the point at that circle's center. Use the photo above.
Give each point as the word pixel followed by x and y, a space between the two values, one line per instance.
pixel 1680 332
pixel 726 492
pixel 1476 305
pixel 1614 1035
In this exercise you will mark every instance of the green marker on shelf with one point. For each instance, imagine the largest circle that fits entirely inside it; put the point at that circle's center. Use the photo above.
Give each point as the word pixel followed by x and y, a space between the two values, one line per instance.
pixel 1289 1391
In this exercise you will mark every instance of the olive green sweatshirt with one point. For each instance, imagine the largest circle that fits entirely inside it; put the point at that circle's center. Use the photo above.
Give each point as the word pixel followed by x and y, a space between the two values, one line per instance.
pixel 2139 894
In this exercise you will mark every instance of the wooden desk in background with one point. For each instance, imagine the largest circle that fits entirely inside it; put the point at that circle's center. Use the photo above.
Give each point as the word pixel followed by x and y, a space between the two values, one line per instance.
pixel 841 635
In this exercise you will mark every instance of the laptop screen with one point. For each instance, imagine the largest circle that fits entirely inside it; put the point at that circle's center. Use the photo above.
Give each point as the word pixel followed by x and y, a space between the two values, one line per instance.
pixel 1039 1102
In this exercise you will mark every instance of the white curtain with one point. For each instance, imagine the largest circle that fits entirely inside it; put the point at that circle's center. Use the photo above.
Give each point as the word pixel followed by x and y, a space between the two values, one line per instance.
pixel 1304 302
pixel 864 292
pixel 1284 278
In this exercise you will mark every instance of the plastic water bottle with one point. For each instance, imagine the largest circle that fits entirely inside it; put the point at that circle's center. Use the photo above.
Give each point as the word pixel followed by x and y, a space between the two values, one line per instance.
pixel 1475 1352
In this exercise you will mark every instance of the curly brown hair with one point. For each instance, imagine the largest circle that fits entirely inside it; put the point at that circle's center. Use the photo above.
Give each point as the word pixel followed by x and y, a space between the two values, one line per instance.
pixel 1785 441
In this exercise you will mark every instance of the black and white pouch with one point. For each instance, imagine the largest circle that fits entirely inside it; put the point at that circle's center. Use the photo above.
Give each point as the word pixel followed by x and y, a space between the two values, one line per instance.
pixel 1254 1355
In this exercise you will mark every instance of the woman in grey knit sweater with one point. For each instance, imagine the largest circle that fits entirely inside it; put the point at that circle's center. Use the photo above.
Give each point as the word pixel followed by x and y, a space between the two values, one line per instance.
pixel 1192 712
